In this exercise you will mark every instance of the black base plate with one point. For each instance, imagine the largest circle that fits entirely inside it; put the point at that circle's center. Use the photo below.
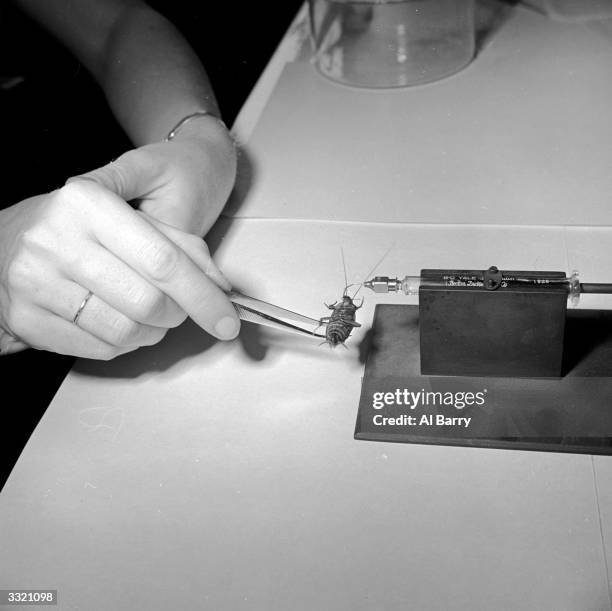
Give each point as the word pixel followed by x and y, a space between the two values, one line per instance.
pixel 570 414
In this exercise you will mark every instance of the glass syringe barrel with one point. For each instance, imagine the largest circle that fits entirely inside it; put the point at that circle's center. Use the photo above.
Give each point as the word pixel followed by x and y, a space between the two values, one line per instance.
pixel 409 285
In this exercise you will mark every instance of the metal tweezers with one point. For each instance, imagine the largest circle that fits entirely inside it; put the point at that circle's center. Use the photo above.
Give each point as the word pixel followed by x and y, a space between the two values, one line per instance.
pixel 262 313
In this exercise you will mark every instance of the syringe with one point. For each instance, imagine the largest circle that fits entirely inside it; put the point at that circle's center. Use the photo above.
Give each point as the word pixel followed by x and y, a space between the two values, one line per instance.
pixel 491 279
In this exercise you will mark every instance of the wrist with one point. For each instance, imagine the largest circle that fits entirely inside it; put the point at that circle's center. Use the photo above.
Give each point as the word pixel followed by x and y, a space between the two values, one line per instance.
pixel 199 125
pixel 183 124
pixel 209 133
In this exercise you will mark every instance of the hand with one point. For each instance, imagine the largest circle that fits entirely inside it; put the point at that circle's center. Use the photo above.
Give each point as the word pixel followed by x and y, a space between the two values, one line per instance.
pixel 184 183
pixel 145 276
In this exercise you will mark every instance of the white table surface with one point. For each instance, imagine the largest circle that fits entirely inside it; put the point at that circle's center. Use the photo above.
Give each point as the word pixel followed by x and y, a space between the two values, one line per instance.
pixel 205 475
pixel 521 136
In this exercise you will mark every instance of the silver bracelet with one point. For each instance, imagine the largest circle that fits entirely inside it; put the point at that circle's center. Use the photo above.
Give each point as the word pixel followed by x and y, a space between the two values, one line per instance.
pixel 188 118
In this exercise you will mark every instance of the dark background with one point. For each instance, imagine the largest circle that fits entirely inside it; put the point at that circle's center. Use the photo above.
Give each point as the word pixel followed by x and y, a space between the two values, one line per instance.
pixel 56 124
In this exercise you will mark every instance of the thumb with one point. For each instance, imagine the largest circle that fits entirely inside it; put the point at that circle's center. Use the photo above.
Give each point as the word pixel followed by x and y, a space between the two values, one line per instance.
pixel 130 176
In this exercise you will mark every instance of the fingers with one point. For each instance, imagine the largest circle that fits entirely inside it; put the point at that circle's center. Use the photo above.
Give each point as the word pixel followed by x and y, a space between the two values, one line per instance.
pixel 98 318
pixel 129 180
pixel 122 288
pixel 156 258
pixel 44 330
pixel 195 248
pixel 37 290
pixel 64 299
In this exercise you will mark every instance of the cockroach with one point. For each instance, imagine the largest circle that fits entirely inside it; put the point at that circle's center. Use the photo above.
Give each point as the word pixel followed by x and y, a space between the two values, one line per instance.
pixel 342 321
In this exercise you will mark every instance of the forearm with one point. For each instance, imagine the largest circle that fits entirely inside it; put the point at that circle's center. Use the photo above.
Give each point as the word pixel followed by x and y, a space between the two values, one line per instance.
pixel 150 76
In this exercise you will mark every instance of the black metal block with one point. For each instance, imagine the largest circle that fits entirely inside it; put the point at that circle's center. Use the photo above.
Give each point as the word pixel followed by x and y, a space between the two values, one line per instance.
pixel 513 331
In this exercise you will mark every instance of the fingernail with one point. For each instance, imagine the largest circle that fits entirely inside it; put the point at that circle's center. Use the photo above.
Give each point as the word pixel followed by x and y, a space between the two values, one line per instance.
pixel 227 328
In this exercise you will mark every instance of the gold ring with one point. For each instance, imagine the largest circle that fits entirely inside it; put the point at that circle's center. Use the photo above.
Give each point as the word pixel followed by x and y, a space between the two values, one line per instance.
pixel 82 307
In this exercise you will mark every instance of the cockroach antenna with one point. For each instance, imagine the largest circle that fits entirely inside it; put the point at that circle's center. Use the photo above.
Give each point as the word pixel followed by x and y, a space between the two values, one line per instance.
pixel 344 266
pixel 373 269
pixel 346 282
